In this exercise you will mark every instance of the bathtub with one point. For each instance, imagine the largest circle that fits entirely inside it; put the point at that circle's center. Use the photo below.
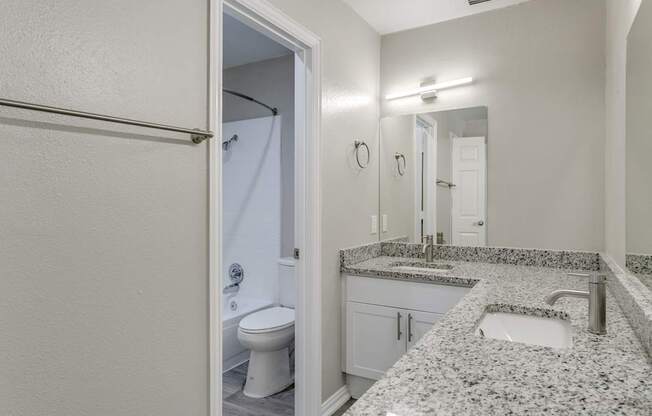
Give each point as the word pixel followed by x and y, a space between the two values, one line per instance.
pixel 235 308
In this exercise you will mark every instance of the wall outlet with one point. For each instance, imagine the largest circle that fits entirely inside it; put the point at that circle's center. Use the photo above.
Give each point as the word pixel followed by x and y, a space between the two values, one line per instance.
pixel 374 224
pixel 385 224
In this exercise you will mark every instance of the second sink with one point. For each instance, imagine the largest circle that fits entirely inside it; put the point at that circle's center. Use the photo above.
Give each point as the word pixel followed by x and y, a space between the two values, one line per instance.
pixel 527 329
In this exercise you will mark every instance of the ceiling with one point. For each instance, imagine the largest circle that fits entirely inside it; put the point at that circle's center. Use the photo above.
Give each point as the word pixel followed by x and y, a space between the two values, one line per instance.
pixel 243 45
pixel 388 16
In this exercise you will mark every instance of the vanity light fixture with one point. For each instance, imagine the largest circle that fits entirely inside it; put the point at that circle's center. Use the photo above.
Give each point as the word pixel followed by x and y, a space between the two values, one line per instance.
pixel 429 90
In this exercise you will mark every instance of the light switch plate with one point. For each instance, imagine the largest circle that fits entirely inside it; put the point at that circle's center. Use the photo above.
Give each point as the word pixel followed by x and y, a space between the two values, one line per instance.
pixel 374 224
pixel 385 225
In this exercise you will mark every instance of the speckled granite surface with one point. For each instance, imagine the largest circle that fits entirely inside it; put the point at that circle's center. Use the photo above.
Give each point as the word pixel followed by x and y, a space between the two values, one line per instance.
pixel 357 254
pixel 639 263
pixel 634 298
pixel 382 267
pixel 646 279
pixel 499 255
pixel 453 372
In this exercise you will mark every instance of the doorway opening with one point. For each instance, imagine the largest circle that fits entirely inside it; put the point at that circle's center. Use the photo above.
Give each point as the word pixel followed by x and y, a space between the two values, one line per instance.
pixel 259 295
pixel 266 346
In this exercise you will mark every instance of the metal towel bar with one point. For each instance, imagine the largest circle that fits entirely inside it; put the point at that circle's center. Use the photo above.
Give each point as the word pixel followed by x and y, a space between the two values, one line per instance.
pixel 197 135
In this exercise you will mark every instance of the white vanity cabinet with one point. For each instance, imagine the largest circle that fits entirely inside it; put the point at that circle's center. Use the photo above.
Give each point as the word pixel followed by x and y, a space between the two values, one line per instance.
pixel 377 336
pixel 384 318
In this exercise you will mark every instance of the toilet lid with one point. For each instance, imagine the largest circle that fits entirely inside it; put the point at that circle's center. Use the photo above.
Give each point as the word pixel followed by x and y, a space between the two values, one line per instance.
pixel 268 319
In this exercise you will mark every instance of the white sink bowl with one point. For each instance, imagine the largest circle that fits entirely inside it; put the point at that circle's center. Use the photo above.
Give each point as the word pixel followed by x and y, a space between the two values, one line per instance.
pixel 526 329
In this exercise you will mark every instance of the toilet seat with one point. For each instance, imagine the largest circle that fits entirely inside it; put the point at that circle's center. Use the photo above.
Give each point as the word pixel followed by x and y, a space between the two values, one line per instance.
pixel 267 320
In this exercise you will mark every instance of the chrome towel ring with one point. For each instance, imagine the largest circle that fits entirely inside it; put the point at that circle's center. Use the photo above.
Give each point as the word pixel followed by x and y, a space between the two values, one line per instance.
pixel 398 157
pixel 358 144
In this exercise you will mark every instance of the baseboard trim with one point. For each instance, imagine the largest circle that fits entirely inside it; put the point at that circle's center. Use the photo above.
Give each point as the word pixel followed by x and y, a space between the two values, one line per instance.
pixel 336 401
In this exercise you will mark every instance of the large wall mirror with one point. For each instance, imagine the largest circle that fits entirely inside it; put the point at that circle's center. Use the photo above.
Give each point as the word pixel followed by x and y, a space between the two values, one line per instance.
pixel 433 176
pixel 639 147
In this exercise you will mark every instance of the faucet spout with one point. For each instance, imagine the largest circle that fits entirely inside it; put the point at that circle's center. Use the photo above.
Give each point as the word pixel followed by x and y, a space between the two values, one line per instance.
pixel 597 296
pixel 555 295
pixel 232 288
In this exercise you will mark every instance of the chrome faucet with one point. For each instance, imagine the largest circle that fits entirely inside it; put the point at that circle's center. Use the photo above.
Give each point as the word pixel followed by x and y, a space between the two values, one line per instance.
pixel 232 288
pixel 428 248
pixel 236 274
pixel 597 296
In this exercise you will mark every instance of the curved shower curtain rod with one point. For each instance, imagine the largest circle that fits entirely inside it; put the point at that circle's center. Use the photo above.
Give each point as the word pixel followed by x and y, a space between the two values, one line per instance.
pixel 274 110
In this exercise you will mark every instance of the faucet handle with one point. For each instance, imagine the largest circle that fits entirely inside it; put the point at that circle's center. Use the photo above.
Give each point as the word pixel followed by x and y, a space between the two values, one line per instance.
pixel 429 239
pixel 594 277
pixel 236 273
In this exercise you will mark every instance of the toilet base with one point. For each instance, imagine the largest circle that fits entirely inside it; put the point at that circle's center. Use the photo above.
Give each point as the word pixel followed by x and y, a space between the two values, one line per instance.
pixel 268 373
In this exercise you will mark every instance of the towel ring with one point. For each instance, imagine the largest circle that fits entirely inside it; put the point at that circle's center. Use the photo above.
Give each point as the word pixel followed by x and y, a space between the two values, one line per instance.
pixel 399 156
pixel 358 144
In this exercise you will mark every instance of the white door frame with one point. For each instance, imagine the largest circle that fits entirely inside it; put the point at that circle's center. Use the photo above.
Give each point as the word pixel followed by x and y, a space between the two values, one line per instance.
pixel 430 184
pixel 307 47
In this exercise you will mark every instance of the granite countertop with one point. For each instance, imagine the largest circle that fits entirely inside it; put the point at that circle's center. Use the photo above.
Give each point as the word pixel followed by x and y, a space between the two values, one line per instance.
pixel 451 371
pixel 646 279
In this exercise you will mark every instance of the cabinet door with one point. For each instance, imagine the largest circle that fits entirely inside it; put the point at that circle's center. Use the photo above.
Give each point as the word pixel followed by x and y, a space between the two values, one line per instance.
pixel 375 338
pixel 418 323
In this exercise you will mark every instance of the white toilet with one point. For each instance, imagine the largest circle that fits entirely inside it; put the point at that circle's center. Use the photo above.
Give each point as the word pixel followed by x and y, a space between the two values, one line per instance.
pixel 268 334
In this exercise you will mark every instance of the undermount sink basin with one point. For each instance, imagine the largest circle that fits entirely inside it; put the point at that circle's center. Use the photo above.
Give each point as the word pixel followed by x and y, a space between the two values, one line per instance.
pixel 418 266
pixel 526 329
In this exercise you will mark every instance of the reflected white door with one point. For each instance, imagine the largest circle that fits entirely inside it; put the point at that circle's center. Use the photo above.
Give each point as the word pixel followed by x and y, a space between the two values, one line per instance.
pixel 469 167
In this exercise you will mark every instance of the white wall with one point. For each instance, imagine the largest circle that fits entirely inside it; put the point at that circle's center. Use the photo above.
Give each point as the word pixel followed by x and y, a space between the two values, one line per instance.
pixel 272 82
pixel 251 204
pixel 104 247
pixel 620 14
pixel 639 145
pixel 350 62
pixel 539 67
pixel 109 234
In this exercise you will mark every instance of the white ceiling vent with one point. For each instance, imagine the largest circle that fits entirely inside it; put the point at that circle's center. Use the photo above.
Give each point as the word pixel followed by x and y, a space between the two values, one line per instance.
pixel 473 2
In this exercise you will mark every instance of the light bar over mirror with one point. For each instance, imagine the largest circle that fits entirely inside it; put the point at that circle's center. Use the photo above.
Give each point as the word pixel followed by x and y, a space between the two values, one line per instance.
pixel 430 88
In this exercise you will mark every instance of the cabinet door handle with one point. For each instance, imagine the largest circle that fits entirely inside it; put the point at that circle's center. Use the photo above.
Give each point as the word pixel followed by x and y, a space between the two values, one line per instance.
pixel 410 327
pixel 398 325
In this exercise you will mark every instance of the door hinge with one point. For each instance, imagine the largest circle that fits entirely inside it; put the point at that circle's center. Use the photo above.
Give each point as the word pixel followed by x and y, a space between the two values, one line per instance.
pixel 297 254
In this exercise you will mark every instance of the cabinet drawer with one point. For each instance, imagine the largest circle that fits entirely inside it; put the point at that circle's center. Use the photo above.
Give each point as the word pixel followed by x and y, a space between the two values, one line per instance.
pixel 416 296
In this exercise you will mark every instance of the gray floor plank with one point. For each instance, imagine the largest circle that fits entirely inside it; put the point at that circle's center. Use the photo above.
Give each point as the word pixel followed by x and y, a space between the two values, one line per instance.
pixel 236 403
pixel 229 409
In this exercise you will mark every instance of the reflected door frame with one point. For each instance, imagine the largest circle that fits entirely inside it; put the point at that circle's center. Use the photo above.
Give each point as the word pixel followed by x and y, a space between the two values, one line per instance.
pixel 425 156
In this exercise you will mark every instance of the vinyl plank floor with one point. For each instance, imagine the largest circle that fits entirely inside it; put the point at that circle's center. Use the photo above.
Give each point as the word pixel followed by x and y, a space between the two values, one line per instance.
pixel 236 403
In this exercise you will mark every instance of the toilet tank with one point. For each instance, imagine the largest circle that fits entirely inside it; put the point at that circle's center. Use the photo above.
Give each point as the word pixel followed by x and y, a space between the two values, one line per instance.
pixel 287 282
